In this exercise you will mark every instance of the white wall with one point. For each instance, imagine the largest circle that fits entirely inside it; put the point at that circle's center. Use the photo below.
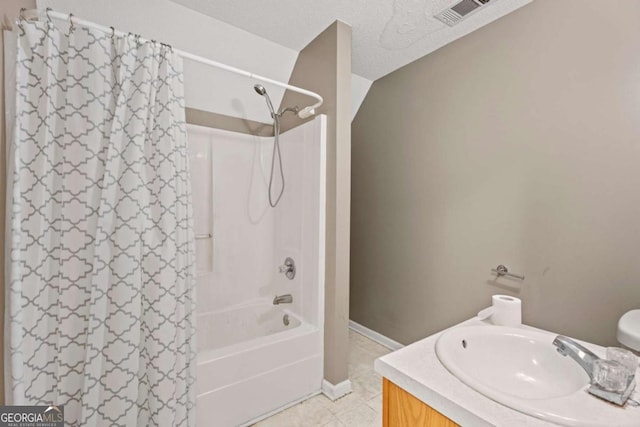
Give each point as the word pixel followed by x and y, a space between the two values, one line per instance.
pixel 230 175
pixel 242 225
pixel 206 88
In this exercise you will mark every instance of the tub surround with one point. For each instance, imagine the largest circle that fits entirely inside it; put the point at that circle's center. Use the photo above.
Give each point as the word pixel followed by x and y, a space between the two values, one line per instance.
pixel 417 370
pixel 254 356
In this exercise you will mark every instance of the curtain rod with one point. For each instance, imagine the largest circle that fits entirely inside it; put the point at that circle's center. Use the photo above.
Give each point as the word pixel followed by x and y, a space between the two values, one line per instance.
pixel 303 113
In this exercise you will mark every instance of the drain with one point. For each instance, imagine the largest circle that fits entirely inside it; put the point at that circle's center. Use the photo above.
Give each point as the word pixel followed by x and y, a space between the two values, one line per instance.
pixel 464 343
pixel 285 320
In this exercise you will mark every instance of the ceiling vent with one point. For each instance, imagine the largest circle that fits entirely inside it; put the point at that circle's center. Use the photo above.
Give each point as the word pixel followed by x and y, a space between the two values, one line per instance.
pixel 451 16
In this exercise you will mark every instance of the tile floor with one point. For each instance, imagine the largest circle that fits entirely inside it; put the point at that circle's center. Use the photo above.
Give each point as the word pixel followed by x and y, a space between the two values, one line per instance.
pixel 361 408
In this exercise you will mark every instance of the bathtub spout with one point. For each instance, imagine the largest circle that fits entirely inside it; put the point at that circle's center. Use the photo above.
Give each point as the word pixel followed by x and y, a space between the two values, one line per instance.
pixel 283 299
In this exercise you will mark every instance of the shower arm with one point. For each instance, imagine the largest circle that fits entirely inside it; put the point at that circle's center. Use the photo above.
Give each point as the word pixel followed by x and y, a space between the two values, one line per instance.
pixel 303 113
pixel 295 110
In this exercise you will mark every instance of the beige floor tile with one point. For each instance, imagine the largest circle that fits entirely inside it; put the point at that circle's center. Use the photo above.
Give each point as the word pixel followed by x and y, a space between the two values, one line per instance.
pixel 346 403
pixel 287 418
pixel 377 350
pixel 366 386
pixel 375 403
pixel 309 413
pixel 362 407
pixel 319 400
pixel 355 339
pixel 357 369
pixel 314 413
pixel 378 419
pixel 360 416
pixel 359 354
pixel 335 423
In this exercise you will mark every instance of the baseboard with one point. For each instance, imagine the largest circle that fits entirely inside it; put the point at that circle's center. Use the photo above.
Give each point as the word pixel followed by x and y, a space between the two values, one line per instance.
pixel 335 392
pixel 375 336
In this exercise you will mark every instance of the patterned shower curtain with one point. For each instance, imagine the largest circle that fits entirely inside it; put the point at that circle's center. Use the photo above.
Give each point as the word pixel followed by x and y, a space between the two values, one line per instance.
pixel 101 262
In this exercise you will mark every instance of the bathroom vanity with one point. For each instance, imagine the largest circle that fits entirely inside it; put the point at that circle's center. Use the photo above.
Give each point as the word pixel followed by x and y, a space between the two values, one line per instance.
pixel 419 390
pixel 401 408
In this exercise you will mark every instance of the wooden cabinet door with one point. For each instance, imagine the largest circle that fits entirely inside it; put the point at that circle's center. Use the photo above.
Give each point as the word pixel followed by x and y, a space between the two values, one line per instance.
pixel 401 409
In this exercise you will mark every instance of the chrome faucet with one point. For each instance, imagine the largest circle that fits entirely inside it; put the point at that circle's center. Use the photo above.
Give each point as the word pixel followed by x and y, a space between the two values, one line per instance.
pixel 587 360
pixel 283 299
pixel 584 357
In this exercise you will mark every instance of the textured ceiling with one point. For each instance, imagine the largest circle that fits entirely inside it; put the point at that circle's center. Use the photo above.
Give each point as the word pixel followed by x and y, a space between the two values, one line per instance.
pixel 387 34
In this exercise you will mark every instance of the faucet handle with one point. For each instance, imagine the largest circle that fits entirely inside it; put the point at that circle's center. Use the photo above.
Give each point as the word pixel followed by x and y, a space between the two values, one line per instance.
pixel 289 268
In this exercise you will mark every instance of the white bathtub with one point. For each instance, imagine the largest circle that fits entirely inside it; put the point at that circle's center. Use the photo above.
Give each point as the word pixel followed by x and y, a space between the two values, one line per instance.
pixel 250 363
pixel 236 325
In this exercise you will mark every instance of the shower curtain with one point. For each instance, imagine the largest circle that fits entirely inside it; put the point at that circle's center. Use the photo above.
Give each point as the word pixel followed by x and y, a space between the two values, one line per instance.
pixel 101 302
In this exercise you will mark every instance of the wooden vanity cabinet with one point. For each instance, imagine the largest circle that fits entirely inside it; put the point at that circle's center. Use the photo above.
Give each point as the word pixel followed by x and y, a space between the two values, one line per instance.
pixel 401 409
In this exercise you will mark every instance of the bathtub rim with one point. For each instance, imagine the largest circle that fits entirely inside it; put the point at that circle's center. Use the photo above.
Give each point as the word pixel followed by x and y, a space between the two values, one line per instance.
pixel 254 302
pixel 213 354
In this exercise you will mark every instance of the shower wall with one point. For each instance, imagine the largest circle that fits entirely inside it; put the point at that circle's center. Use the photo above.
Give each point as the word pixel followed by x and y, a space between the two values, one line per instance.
pixel 236 264
pixel 250 240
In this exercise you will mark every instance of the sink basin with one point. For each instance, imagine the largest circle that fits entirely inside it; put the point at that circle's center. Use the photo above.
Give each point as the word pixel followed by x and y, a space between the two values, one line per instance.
pixel 511 361
pixel 520 368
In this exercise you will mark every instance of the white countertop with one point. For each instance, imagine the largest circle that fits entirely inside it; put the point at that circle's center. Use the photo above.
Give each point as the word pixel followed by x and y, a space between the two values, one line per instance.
pixel 417 370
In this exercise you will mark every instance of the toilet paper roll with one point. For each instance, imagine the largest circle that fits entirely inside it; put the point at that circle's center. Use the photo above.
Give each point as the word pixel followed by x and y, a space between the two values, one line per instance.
pixel 505 311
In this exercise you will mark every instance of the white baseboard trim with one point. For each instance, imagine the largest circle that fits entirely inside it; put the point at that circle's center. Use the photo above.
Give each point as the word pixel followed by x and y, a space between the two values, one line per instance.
pixel 335 392
pixel 375 336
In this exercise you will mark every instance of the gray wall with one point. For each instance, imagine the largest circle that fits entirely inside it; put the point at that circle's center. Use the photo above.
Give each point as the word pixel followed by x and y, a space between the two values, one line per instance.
pixel 232 124
pixel 518 144
pixel 324 66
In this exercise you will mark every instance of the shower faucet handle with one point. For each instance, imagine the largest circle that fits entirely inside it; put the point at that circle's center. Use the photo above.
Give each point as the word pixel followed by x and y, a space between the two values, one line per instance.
pixel 289 268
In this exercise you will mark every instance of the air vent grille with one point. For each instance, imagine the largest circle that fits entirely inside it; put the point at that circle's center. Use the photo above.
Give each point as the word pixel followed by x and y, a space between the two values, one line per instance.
pixel 460 10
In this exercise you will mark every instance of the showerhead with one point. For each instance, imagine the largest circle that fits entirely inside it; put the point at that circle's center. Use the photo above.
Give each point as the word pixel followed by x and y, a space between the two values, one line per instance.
pixel 303 113
pixel 260 89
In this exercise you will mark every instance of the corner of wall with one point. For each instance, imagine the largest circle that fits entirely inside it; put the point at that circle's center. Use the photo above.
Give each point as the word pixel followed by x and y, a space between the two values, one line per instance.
pixel 324 66
pixel 359 88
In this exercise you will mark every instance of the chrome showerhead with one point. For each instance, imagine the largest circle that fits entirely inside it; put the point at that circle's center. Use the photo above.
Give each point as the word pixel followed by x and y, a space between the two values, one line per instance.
pixel 260 89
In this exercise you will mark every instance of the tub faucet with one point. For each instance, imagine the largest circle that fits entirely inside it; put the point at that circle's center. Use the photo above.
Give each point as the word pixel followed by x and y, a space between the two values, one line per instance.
pixel 283 299
pixel 584 357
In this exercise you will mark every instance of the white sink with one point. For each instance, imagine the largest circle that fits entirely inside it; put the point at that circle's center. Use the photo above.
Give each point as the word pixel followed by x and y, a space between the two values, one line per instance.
pixel 510 361
pixel 520 368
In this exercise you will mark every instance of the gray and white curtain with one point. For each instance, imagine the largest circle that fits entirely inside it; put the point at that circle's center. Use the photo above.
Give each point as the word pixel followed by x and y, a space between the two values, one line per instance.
pixel 101 302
